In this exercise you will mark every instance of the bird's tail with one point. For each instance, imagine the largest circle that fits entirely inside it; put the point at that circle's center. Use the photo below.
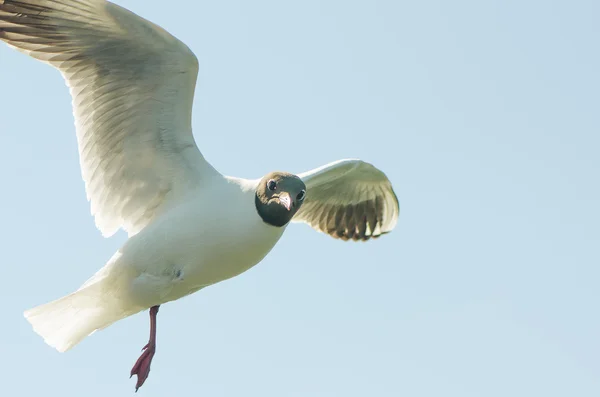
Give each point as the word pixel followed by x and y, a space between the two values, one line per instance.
pixel 65 322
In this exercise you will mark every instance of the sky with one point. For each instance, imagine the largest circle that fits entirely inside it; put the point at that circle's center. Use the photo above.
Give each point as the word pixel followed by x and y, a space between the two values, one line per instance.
pixel 483 114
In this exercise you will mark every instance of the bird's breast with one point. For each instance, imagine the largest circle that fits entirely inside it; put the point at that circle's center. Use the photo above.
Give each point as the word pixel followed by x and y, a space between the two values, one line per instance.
pixel 225 255
pixel 201 244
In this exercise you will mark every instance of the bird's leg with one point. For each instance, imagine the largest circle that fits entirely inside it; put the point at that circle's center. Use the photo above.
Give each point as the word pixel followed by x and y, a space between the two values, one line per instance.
pixel 142 365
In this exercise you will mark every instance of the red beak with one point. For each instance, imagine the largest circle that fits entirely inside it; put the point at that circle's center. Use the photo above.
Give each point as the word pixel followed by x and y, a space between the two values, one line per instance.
pixel 286 200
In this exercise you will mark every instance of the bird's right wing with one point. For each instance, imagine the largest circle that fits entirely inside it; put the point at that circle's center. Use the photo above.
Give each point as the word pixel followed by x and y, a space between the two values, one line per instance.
pixel 132 85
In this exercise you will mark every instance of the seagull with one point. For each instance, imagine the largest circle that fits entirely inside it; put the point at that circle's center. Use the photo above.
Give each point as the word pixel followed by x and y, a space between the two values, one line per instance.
pixel 189 226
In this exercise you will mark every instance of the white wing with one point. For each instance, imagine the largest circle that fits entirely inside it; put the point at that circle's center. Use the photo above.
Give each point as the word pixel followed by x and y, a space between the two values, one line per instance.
pixel 132 85
pixel 349 199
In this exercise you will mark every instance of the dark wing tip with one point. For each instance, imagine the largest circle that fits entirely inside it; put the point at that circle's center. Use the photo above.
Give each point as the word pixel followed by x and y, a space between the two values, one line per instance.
pixel 360 221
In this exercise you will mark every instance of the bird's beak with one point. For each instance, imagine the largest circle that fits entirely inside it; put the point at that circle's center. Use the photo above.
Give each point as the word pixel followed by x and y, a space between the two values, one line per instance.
pixel 286 200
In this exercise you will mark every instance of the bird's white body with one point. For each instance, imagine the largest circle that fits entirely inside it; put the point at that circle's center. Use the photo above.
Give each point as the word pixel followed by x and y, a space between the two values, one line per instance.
pixel 213 234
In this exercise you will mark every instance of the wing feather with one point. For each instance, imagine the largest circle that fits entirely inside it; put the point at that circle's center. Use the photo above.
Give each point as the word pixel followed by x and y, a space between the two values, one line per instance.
pixel 132 86
pixel 349 199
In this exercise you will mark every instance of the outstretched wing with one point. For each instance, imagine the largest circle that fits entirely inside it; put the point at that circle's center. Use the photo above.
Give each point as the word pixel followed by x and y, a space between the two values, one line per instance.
pixel 132 86
pixel 349 199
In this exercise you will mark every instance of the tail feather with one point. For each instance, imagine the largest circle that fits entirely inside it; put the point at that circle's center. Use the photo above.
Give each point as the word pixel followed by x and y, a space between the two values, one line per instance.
pixel 65 322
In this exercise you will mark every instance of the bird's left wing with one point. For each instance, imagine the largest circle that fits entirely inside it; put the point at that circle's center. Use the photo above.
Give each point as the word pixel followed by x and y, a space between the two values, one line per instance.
pixel 349 199
pixel 132 85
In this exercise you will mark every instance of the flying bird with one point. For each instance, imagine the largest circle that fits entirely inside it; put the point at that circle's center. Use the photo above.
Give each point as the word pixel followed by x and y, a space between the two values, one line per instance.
pixel 189 226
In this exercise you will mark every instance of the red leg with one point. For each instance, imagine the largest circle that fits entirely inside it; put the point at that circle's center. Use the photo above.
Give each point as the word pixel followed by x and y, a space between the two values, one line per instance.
pixel 141 367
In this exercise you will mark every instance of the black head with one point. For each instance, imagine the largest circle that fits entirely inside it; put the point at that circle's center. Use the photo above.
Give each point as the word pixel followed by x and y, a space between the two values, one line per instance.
pixel 279 196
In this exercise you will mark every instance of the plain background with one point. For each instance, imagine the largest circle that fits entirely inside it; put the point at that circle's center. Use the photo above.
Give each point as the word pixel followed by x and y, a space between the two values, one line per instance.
pixel 484 114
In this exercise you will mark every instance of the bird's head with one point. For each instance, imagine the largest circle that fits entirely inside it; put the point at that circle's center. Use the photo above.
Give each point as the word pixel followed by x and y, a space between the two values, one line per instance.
pixel 279 196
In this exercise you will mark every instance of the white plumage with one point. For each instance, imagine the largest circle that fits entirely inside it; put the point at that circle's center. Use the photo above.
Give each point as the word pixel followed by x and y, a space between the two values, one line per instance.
pixel 189 226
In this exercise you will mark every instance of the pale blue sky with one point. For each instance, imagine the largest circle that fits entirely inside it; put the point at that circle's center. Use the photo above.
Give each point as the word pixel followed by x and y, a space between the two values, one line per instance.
pixel 484 114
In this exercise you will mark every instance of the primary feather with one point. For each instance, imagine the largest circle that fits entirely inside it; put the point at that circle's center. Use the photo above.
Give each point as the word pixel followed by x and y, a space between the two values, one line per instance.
pixel 349 199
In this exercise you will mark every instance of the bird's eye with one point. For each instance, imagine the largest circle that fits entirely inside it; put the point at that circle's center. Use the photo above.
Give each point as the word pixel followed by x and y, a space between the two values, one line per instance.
pixel 301 195
pixel 272 185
